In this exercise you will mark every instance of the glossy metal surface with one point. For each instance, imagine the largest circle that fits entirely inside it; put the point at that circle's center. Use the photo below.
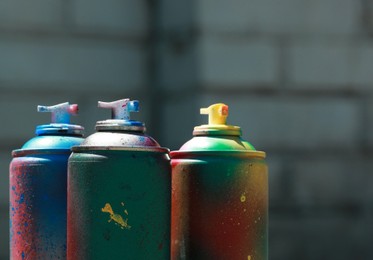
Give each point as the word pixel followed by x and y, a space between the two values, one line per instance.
pixel 38 183
pixel 119 205
pixel 219 205
pixel 119 199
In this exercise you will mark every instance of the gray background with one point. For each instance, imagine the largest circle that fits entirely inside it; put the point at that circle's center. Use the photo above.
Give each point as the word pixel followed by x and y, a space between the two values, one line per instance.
pixel 297 76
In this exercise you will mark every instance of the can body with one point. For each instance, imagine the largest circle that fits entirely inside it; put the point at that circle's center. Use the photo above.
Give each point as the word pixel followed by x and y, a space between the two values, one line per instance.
pixel 38 205
pixel 219 205
pixel 119 204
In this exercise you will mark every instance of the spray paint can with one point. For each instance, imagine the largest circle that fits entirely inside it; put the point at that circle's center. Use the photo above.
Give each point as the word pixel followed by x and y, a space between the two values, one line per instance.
pixel 119 191
pixel 38 184
pixel 219 194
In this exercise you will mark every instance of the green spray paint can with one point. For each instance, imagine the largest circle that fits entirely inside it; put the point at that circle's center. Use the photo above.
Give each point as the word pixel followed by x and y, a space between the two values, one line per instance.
pixel 219 194
pixel 119 191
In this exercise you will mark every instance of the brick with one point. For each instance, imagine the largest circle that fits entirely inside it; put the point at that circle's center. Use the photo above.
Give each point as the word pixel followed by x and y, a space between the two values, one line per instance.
pixel 299 123
pixel 35 14
pixel 367 13
pixel 72 65
pixel 319 237
pixel 362 72
pixel 330 180
pixel 241 16
pixel 237 63
pixel 178 66
pixel 321 16
pixel 117 16
pixel 176 14
pixel 225 16
pixel 320 65
pixel 179 119
pixel 279 17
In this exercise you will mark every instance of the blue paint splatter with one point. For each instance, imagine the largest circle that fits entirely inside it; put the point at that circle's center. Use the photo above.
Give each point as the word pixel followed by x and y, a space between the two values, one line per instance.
pixel 23 255
pixel 21 199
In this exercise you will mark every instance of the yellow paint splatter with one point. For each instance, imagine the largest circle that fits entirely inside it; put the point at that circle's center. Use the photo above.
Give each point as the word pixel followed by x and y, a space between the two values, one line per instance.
pixel 243 197
pixel 249 257
pixel 118 219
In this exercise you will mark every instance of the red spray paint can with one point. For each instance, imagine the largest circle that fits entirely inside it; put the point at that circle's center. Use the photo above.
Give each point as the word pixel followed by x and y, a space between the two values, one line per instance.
pixel 219 194
pixel 38 184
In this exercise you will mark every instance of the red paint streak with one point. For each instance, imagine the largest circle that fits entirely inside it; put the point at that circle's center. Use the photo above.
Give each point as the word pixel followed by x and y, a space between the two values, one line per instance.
pixel 22 244
pixel 220 228
pixel 224 110
pixel 74 109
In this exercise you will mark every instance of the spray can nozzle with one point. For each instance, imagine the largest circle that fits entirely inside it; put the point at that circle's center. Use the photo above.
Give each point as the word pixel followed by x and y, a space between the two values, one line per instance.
pixel 121 109
pixel 120 116
pixel 217 125
pixel 61 112
pixel 217 113
pixel 60 120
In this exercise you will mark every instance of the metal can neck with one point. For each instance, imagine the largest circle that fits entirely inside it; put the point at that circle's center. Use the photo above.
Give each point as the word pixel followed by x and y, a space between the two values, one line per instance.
pixel 59 129
pixel 120 125
pixel 223 130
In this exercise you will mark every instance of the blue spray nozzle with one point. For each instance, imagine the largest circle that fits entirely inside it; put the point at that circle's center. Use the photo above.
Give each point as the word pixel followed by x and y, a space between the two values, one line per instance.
pixel 61 112
pixel 121 109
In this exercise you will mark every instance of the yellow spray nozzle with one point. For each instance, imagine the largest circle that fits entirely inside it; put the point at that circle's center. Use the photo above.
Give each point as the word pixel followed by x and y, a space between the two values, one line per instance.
pixel 218 113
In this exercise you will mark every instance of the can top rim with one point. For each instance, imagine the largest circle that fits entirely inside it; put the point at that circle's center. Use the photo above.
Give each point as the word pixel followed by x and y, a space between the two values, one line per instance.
pixel 80 148
pixel 23 152
pixel 244 153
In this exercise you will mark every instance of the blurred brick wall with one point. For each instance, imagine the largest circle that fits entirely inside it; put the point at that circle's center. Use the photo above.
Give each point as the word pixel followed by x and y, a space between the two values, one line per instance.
pixel 296 74
pixel 298 78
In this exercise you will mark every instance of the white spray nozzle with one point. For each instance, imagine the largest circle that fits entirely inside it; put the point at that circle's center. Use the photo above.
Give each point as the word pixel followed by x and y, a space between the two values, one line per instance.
pixel 121 109
pixel 61 112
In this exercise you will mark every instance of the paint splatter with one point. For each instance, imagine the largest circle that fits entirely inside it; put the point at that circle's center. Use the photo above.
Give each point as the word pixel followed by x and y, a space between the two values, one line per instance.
pixel 21 199
pixel 117 218
pixel 243 197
